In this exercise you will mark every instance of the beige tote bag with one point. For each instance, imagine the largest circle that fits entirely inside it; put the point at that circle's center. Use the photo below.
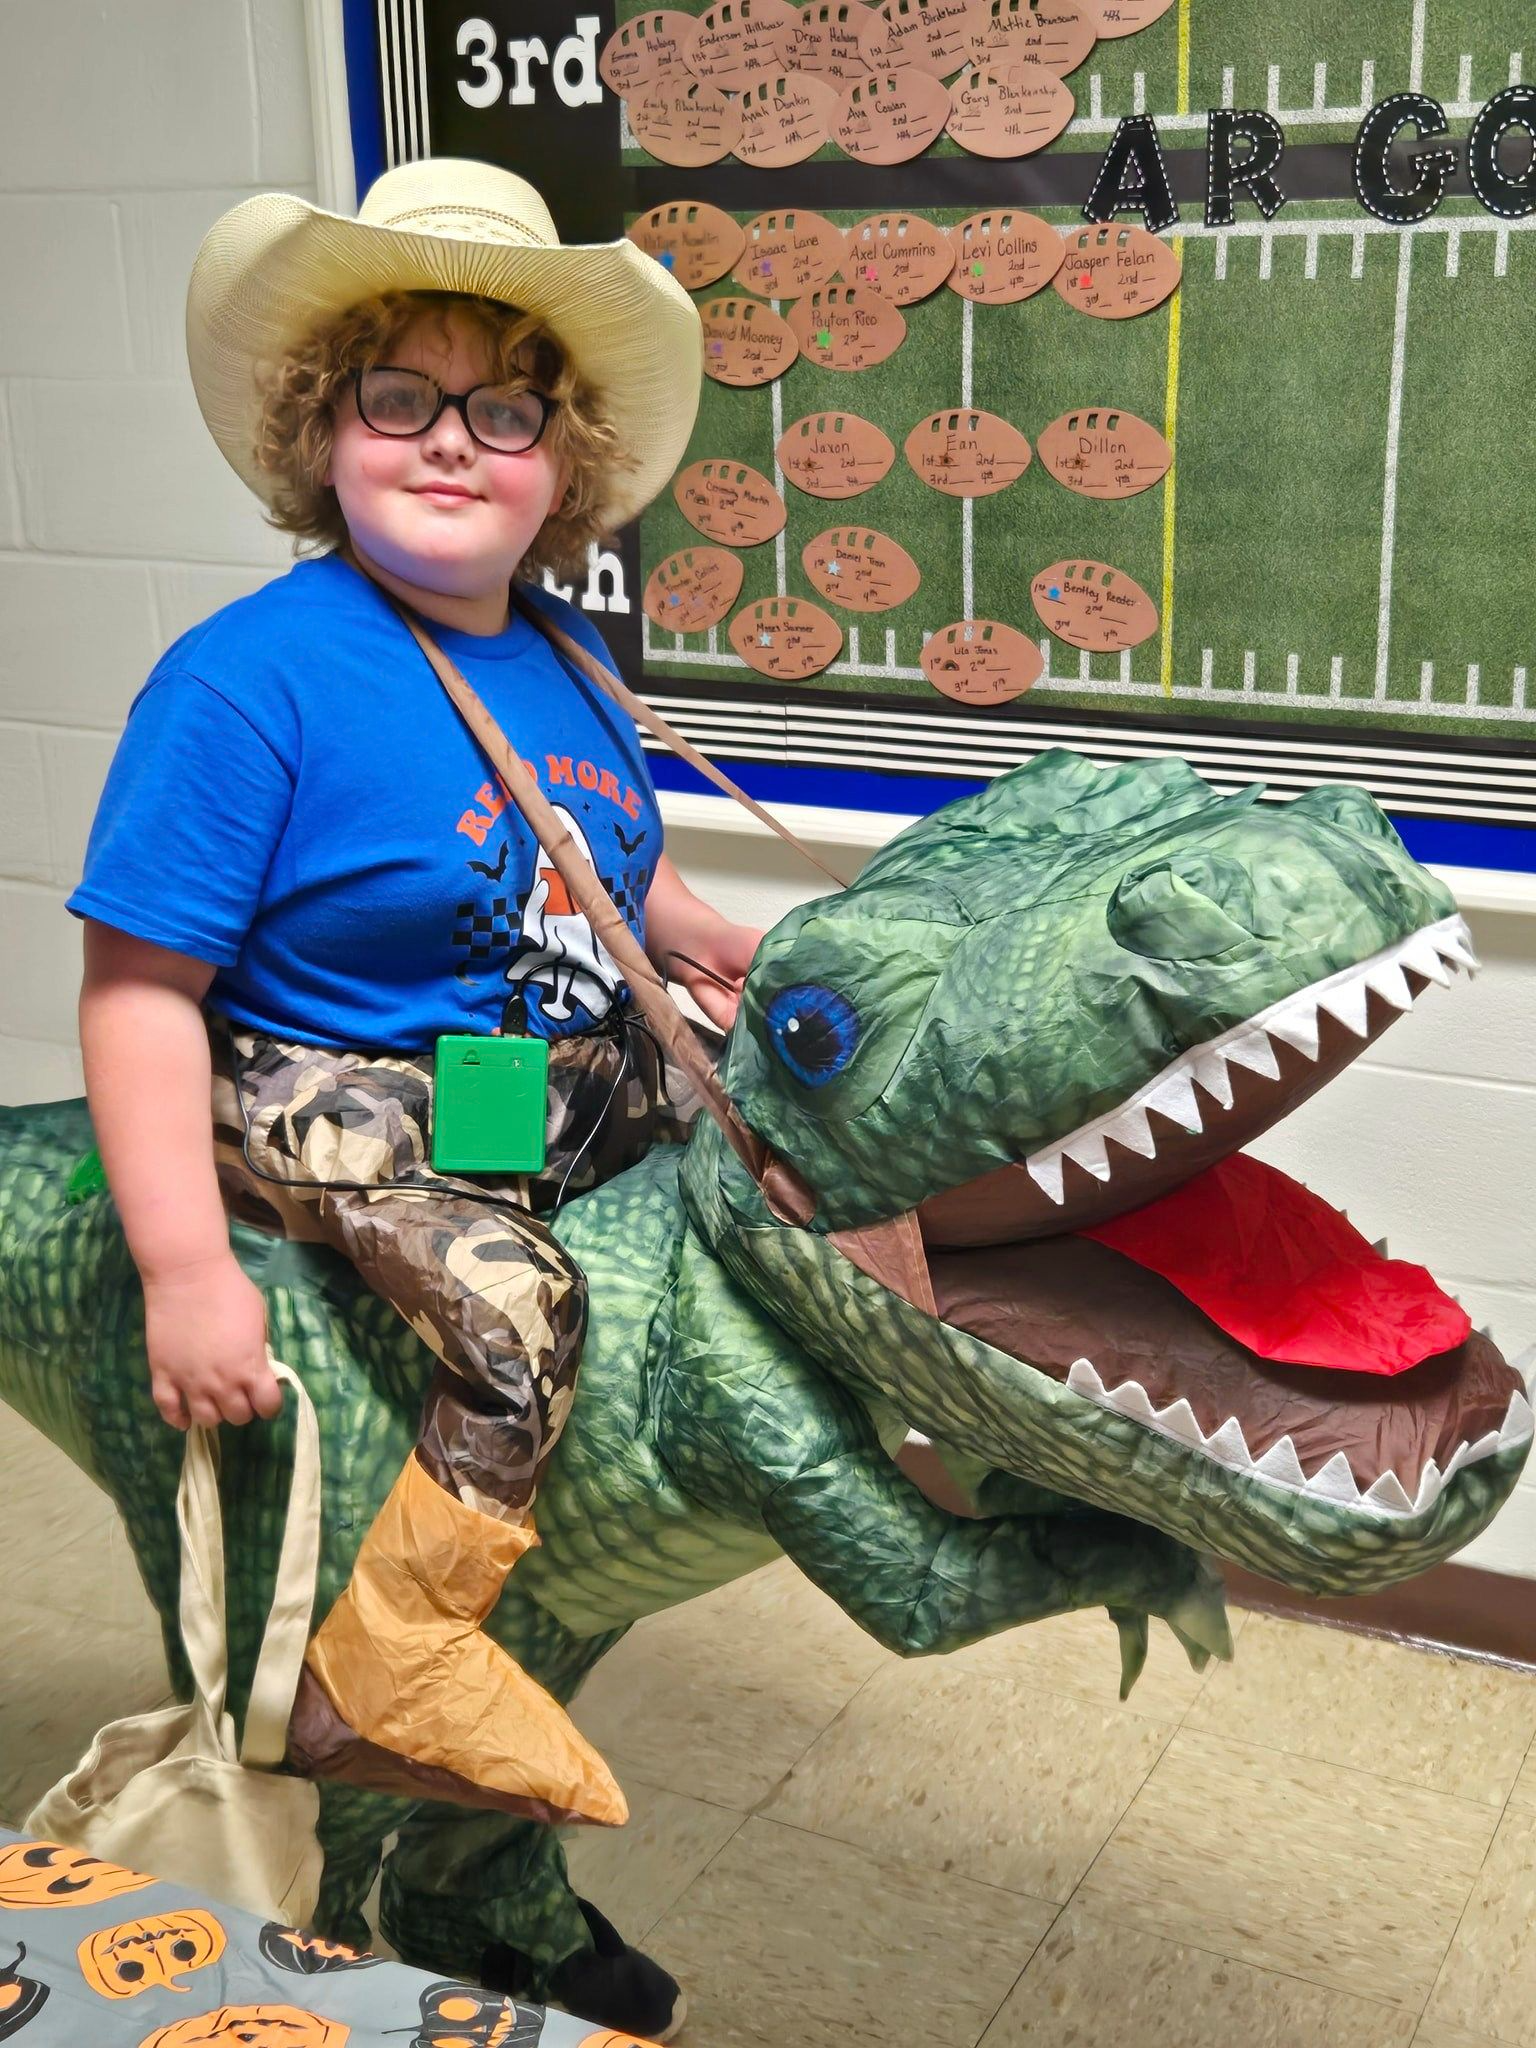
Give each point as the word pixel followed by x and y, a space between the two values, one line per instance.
pixel 168 1793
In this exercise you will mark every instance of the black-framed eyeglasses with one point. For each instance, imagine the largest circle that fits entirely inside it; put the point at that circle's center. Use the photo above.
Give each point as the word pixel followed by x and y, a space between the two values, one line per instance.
pixel 508 419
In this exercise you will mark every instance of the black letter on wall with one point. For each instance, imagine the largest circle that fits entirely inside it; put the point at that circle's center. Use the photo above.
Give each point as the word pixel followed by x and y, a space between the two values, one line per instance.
pixel 1513 198
pixel 1133 177
pixel 1224 173
pixel 1378 131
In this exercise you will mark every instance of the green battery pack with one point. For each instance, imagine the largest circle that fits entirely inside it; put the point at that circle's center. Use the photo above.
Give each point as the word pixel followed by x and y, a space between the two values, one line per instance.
pixel 490 1104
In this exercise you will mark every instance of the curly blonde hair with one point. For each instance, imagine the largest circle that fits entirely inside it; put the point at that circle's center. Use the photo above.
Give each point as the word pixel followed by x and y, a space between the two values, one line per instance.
pixel 300 394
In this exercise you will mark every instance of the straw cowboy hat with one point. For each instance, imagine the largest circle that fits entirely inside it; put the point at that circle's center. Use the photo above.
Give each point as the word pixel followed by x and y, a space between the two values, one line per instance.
pixel 274 268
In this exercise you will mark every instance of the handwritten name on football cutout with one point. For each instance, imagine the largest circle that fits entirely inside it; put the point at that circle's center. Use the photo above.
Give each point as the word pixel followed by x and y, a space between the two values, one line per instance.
pixel 1115 272
pixel 692 590
pixel 696 242
pixel 891 117
pixel 902 255
pixel 1100 451
pixel 1002 256
pixel 745 342
pixel 967 454
pixel 981 661
pixel 729 502
pixel 1090 605
pixel 790 252
pixel 834 454
pixel 861 570
pixel 788 638
pixel 847 327
pixel 685 123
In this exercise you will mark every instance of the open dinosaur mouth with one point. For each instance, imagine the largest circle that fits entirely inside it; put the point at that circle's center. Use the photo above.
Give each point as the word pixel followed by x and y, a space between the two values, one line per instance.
pixel 1220 1305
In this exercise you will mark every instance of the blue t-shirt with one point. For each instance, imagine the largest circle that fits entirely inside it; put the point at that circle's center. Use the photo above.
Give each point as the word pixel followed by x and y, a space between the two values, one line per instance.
pixel 296 800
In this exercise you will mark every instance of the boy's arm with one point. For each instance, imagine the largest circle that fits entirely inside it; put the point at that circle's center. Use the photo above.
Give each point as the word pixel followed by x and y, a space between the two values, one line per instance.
pixel 676 919
pixel 148 1080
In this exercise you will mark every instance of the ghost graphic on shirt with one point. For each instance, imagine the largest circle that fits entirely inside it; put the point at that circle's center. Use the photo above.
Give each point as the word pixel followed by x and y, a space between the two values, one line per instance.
pixel 558 955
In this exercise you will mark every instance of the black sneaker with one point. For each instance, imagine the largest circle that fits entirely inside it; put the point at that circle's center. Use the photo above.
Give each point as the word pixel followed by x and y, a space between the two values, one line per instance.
pixel 611 1983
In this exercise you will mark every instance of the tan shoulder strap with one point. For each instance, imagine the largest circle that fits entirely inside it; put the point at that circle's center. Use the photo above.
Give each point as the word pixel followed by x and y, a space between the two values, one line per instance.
pixel 786 1192
pixel 642 713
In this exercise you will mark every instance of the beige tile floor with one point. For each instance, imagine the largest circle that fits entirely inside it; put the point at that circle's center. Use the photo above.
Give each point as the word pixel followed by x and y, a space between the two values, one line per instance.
pixel 1329 1844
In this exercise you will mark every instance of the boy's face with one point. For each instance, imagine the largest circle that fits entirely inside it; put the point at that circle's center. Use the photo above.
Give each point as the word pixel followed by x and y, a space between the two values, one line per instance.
pixel 437 509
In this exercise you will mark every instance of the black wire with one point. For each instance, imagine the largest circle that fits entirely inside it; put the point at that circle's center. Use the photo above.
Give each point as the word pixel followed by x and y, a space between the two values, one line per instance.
pixel 627 1022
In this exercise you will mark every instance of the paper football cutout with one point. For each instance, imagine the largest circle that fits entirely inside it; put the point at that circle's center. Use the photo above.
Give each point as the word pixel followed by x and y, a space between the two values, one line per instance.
pixel 693 590
pixel 1008 110
pixel 788 638
pixel 1101 452
pixel 861 570
pixel 1116 271
pixel 736 41
pixel 980 661
pixel 729 502
pixel 1091 606
pixel 745 342
pixel 931 35
pixel 903 256
pixel 1125 17
pixel 784 119
pixel 1003 256
pixel 1057 34
pixel 787 253
pixel 967 454
pixel 829 41
pixel 834 454
pixel 638 52
pixel 684 122
pixel 847 327
pixel 891 117
pixel 695 241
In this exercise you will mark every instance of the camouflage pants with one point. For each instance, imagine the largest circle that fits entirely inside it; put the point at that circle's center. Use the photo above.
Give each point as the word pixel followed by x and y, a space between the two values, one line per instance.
pixel 333 1147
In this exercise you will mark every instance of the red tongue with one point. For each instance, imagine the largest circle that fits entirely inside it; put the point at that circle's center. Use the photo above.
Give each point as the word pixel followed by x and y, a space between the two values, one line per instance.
pixel 1285 1274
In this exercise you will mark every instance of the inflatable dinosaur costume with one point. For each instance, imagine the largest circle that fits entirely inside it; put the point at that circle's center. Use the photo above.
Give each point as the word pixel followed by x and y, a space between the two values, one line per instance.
pixel 1015 1057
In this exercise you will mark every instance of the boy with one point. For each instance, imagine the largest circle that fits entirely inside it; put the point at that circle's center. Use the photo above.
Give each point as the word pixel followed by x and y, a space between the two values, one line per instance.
pixel 303 872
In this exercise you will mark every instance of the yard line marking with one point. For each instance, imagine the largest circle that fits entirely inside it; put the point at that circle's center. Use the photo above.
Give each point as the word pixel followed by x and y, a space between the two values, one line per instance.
pixel 1248 669
pixel 1207 665
pixel 1045 657
pixel 1474 679
pixel 1519 703
pixel 1501 251
pixel 967 505
pixel 890 646
pixel 853 644
pixel 1367 84
pixel 1416 60
pixel 1311 267
pixel 1426 682
pixel 1171 400
pixel 1394 437
pixel 1453 253
pixel 1228 84
pixel 1096 97
pixel 1139 92
pixel 779 563
pixel 1274 89
pixel 1464 77
pixel 1084 674
pixel 1357 261
pixel 1221 258
pixel 1319 87
pixel 713 642
pixel 1336 678
pixel 1292 674
pixel 1125 664
pixel 1516 58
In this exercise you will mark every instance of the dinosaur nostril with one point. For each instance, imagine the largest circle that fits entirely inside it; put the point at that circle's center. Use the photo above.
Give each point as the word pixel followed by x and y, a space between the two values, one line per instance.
pixel 1191 907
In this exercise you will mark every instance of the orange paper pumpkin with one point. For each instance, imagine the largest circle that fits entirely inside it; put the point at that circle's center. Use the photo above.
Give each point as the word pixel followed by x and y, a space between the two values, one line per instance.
pixel 21 1998
pixel 140 1955
pixel 47 1874
pixel 251 2026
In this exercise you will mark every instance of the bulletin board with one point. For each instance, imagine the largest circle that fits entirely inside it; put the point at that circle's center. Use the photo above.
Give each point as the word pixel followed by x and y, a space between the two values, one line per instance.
pixel 1335 556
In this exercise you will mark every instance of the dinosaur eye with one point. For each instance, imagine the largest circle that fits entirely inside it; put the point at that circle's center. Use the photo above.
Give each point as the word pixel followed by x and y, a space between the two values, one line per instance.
pixel 814 1032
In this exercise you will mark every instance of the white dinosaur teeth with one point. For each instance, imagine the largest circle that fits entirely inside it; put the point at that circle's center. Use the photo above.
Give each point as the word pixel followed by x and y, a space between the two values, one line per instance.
pixel 1131 1129
pixel 1391 984
pixel 1281 1463
pixel 1178 1421
pixel 1454 942
pixel 1421 956
pixel 1348 1002
pixel 1230 1445
pixel 1087 1149
pixel 1174 1097
pixel 1335 1481
pixel 1388 1492
pixel 1431 1485
pixel 1254 1051
pixel 1083 1378
pixel 1045 1170
pixel 1211 1074
pixel 1519 1422
pixel 1297 1026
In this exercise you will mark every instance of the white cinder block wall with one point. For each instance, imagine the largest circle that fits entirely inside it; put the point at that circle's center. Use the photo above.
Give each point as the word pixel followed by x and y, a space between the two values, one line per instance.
pixel 124 132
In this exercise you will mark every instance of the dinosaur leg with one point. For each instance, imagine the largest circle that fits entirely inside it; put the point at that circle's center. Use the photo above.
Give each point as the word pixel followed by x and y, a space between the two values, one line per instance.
pixel 458 1884
pixel 402 1690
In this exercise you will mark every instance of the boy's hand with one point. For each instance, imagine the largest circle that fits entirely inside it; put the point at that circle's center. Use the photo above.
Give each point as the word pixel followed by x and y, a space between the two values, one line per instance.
pixel 725 953
pixel 205 1328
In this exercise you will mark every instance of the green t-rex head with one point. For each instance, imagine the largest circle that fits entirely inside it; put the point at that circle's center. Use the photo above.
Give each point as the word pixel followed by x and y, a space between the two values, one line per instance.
pixel 1024 962
pixel 1046 1006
